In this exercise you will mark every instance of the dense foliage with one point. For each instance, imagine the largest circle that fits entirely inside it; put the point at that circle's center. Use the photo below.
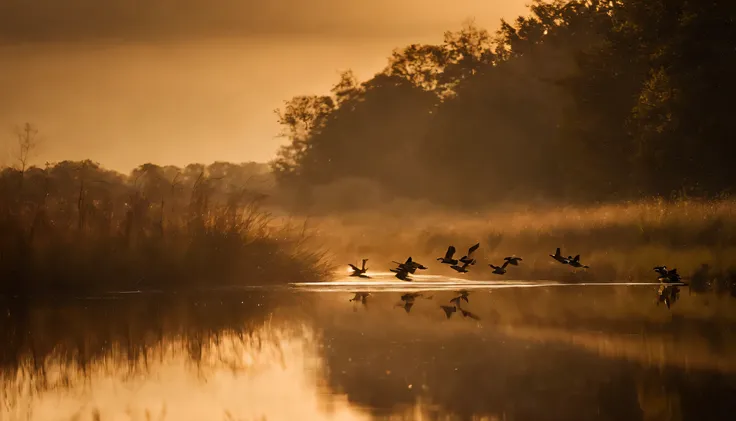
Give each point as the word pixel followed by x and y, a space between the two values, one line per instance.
pixel 582 100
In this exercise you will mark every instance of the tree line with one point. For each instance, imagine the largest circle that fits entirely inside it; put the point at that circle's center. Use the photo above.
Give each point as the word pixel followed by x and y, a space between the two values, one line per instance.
pixel 579 101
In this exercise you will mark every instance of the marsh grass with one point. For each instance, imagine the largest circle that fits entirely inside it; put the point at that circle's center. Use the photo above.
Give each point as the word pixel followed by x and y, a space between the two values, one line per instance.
pixel 619 241
pixel 77 228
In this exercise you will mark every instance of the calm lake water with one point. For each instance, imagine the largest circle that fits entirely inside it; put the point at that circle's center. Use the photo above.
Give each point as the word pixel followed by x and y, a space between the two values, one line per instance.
pixel 551 353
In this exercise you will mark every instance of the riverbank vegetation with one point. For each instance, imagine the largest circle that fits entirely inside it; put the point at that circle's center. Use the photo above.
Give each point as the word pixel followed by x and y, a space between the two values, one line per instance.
pixel 620 242
pixel 76 227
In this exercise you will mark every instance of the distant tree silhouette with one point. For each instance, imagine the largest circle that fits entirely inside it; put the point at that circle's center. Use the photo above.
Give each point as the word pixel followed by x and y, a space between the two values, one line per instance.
pixel 578 101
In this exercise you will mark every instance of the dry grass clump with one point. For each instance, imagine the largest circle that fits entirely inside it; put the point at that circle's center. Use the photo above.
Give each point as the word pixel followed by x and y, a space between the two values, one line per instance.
pixel 75 227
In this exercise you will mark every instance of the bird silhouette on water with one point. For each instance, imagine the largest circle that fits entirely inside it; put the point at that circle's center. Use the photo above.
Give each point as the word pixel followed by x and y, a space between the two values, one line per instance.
pixel 359 271
pixel 402 270
pixel 447 258
pixel 661 270
pixel 668 276
pixel 468 258
pixel 500 270
pixel 402 274
pixel 513 260
pixel 461 269
pixel 408 266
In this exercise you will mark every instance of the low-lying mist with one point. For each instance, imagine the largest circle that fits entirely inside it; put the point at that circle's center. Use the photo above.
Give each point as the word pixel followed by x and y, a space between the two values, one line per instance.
pixel 619 241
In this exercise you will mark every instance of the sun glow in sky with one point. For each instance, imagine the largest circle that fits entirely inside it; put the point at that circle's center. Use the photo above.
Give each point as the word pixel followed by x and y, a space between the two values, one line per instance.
pixel 124 86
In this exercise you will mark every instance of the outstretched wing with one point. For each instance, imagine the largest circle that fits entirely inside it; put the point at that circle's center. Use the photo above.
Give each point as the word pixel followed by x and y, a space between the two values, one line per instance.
pixel 352 266
pixel 473 248
pixel 448 310
pixel 450 252
pixel 506 263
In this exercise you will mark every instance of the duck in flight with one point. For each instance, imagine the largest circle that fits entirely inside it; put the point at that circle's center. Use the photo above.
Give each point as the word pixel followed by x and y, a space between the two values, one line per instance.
pixel 468 258
pixel 575 262
pixel 402 274
pixel 559 257
pixel 661 270
pixel 359 272
pixel 447 259
pixel 513 260
pixel 500 270
pixel 409 266
pixel 461 269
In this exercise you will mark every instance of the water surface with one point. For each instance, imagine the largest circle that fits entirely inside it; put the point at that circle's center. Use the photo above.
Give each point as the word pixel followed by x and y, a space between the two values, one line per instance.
pixel 309 353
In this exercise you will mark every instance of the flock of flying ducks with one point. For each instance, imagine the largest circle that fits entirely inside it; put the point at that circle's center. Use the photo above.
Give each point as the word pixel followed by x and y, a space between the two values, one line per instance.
pixel 461 265
pixel 668 292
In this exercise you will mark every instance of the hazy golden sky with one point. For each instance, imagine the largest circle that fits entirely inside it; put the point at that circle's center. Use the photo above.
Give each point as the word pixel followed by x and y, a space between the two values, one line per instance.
pixel 178 81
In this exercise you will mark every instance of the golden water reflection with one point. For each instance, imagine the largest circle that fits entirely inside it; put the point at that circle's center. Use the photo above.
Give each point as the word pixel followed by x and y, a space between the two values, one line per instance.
pixel 274 373
pixel 532 355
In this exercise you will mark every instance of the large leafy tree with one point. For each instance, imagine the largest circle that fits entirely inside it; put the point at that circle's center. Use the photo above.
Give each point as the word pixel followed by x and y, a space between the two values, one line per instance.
pixel 578 100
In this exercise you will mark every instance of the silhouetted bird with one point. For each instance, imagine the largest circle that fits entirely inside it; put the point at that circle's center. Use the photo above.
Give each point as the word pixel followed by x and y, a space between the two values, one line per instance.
pixel 670 277
pixel 500 270
pixel 360 272
pixel 402 274
pixel 461 269
pixel 661 270
pixel 448 257
pixel 513 260
pixel 575 262
pixel 557 256
pixel 409 266
pixel 468 258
